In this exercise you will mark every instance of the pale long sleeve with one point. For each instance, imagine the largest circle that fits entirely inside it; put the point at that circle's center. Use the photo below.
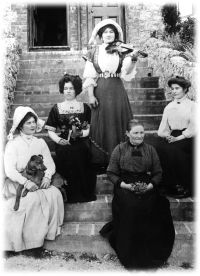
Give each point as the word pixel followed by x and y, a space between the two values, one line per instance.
pixel 164 128
pixel 190 130
pixel 54 137
pixel 125 68
pixel 10 164
pixel 178 116
pixel 90 75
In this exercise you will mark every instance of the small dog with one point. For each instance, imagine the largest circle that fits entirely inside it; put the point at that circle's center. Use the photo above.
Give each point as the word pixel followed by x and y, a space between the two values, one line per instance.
pixel 35 171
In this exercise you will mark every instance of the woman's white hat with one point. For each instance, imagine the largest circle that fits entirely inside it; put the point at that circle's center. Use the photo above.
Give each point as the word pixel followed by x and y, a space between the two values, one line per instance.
pixel 102 24
pixel 19 114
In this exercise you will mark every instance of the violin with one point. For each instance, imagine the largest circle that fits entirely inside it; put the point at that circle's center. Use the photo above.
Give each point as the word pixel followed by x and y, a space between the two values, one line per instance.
pixel 120 47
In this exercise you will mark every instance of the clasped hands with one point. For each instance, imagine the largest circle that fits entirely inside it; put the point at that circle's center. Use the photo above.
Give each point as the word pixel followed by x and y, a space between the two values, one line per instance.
pixel 137 188
pixel 171 139
pixel 32 187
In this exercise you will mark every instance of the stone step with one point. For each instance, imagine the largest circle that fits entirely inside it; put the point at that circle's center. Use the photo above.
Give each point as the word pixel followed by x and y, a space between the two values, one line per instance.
pixel 66 60
pixel 150 121
pixel 33 95
pixel 47 72
pixel 82 237
pixel 100 210
pixel 139 107
pixel 61 55
pixel 145 82
pixel 150 138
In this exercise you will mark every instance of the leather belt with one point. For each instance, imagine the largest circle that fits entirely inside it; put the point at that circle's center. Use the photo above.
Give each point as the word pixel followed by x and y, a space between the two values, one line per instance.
pixel 107 74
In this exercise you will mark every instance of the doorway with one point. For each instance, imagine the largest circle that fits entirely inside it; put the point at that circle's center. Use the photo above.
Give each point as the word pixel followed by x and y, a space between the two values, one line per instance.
pixel 99 12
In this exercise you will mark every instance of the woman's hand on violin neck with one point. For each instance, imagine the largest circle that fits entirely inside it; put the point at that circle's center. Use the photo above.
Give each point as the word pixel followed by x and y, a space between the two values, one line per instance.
pixel 93 101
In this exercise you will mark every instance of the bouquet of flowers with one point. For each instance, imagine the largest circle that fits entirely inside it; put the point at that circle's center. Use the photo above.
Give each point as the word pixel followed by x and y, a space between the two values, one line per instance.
pixel 74 121
pixel 76 127
pixel 138 186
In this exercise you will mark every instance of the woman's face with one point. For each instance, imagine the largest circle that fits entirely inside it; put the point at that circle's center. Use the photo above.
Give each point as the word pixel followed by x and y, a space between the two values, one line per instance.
pixel 108 35
pixel 29 127
pixel 178 92
pixel 69 91
pixel 136 135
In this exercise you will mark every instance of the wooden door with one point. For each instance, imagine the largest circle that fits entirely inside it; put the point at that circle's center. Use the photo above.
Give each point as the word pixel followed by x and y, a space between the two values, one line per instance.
pixel 98 12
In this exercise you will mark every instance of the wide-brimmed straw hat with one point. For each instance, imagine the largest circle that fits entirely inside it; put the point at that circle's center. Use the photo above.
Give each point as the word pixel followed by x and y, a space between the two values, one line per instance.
pixel 102 24
pixel 19 114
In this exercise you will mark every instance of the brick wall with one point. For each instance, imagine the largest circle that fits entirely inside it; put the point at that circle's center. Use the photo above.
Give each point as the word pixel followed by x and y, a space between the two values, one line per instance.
pixel 141 21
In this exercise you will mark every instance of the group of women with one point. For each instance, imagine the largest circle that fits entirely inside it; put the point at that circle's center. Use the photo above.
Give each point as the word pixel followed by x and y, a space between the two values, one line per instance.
pixel 105 135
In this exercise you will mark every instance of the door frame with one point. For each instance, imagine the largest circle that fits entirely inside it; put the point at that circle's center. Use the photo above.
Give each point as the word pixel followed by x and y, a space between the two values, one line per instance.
pixel 122 20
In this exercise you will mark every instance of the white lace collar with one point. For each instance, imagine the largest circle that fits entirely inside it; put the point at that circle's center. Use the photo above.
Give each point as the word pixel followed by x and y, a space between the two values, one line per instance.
pixel 68 107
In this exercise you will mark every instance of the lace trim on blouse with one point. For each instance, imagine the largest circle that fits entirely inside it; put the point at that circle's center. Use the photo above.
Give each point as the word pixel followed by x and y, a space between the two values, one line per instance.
pixel 75 107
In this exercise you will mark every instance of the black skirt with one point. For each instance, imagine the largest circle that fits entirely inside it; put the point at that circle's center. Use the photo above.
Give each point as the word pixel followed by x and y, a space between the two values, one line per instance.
pixel 73 162
pixel 142 231
pixel 177 161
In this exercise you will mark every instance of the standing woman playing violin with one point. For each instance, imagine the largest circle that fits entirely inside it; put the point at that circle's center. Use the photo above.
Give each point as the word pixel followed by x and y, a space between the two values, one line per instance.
pixel 111 109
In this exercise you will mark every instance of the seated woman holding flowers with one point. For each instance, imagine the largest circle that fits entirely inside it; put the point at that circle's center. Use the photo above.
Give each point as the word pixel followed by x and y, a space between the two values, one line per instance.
pixel 73 157
pixel 142 231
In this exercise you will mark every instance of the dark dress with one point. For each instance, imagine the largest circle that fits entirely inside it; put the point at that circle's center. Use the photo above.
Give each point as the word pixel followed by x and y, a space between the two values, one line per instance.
pixel 73 161
pixel 109 120
pixel 142 231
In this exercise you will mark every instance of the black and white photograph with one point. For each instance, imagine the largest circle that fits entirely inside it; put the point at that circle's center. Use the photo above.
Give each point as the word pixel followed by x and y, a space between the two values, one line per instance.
pixel 99 136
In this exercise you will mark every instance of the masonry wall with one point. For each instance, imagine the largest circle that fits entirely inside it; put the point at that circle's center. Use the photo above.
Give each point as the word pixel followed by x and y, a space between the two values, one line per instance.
pixel 141 20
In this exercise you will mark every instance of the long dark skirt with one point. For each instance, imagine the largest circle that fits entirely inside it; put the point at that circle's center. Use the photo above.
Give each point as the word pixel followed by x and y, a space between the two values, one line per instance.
pixel 177 161
pixel 109 120
pixel 142 231
pixel 73 162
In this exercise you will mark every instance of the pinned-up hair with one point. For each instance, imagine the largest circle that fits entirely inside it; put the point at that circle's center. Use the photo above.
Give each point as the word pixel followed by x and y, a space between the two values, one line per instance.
pixel 74 79
pixel 133 123
pixel 185 84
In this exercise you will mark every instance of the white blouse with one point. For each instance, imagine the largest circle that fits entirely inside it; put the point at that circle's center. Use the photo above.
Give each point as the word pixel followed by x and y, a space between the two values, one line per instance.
pixel 19 151
pixel 106 62
pixel 177 115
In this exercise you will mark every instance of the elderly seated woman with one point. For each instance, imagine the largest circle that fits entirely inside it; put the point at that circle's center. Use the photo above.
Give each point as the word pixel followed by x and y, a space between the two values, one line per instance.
pixel 142 231
pixel 41 211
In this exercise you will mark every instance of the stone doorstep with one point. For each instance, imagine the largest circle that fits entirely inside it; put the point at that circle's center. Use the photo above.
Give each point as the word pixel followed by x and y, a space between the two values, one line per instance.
pixel 46 71
pixel 182 229
pixel 143 82
pixel 139 107
pixel 40 93
pixel 77 237
pixel 150 121
pixel 100 210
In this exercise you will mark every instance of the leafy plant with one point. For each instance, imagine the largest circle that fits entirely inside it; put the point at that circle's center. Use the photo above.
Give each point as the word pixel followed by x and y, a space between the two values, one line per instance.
pixel 171 18
pixel 187 31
